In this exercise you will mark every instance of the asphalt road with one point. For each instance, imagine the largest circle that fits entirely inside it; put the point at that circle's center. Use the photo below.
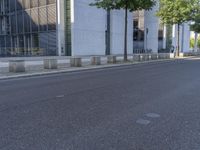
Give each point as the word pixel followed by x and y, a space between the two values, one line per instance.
pixel 152 106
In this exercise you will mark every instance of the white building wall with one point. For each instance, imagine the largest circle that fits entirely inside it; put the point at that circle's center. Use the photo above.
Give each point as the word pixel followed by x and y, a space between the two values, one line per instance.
pixel 184 40
pixel 117 32
pixel 152 25
pixel 60 28
pixel 88 29
pixel 89 26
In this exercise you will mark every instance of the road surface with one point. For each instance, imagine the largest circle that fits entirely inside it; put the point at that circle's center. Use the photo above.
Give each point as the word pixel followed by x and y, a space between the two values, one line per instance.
pixel 154 106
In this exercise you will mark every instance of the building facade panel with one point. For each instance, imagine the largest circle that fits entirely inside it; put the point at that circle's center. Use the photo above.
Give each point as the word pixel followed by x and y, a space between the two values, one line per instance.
pixel 117 32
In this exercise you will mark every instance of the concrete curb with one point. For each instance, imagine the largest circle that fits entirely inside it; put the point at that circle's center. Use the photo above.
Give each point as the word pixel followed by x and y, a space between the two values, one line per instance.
pixel 71 70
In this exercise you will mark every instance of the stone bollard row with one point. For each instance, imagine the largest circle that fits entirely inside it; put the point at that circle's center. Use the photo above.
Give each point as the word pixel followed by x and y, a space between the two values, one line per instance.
pixel 19 65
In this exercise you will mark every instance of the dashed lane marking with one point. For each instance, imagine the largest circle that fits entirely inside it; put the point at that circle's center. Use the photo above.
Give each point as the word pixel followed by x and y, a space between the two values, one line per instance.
pixel 143 121
pixel 60 96
pixel 152 115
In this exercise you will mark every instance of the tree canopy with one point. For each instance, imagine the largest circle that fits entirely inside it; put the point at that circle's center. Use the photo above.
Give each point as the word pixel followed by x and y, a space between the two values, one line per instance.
pixel 131 5
pixel 177 11
pixel 196 26
pixel 195 18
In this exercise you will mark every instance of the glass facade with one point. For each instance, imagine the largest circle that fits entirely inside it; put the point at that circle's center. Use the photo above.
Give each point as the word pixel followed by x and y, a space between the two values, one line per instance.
pixel 138 31
pixel 28 28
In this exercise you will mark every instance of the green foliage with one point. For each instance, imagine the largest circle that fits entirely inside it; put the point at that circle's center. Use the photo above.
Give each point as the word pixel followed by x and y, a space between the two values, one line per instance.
pixel 198 42
pixel 177 11
pixel 196 10
pixel 196 26
pixel 131 5
pixel 192 42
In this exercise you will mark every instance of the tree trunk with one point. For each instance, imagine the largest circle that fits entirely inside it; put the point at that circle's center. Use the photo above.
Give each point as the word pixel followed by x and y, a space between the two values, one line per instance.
pixel 108 33
pixel 195 42
pixel 125 34
pixel 178 42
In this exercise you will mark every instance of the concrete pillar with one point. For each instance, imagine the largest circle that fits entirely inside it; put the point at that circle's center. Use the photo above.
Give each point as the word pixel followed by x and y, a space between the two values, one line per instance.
pixel 151 24
pixel 164 37
pixel 184 41
pixel 17 66
pixel 61 27
pixel 185 38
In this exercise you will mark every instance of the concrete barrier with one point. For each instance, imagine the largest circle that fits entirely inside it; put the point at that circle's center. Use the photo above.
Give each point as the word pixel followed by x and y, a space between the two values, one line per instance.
pixel 75 62
pixel 112 59
pixel 50 63
pixel 96 60
pixel 16 66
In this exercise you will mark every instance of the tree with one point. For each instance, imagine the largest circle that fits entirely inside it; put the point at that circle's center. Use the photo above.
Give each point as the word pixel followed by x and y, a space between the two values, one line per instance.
pixel 127 5
pixel 177 12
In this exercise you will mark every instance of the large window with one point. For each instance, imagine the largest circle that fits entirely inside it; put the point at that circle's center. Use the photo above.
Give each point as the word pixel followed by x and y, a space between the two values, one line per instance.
pixel 33 27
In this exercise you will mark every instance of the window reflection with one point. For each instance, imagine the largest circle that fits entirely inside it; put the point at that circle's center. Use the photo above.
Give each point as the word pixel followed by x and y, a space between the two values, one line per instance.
pixel 28 27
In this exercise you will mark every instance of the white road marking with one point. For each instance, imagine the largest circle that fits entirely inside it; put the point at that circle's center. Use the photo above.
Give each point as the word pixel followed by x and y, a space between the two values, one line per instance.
pixel 143 121
pixel 60 96
pixel 153 115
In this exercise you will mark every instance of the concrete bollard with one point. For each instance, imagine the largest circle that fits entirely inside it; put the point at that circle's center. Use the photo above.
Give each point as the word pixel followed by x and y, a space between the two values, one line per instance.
pixel 136 57
pixel 161 56
pixel 142 58
pixel 181 55
pixel 145 57
pixel 154 56
pixel 171 55
pixel 112 59
pixel 96 60
pixel 149 55
pixel 50 63
pixel 16 66
pixel 75 62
